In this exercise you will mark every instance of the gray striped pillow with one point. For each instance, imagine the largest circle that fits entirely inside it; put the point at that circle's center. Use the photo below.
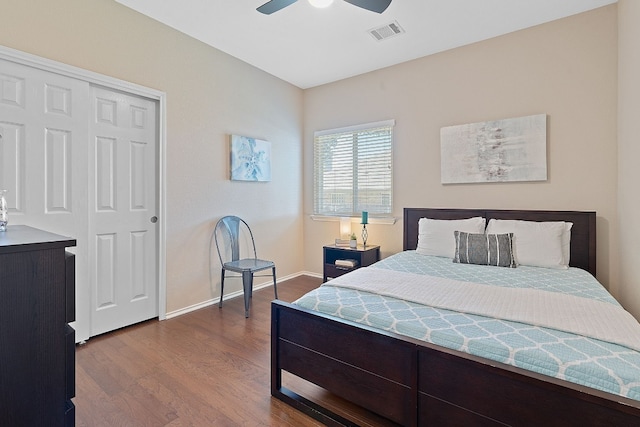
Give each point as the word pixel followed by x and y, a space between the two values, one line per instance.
pixel 484 249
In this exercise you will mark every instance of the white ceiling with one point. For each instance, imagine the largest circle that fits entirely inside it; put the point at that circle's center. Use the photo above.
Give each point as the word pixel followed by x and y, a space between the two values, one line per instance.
pixel 309 47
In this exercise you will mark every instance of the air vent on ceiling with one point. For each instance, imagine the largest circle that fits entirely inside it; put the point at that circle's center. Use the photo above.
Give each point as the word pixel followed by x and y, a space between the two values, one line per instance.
pixel 389 30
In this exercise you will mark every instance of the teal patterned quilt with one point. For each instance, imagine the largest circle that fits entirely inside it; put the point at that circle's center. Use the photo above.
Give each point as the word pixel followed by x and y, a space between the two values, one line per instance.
pixel 578 359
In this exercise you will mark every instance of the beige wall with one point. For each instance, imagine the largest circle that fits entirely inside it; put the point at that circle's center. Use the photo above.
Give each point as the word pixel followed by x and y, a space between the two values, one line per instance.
pixel 209 96
pixel 566 69
pixel 629 152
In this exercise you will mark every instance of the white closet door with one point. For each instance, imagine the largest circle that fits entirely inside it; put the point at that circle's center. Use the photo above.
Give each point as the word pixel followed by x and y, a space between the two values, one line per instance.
pixel 123 208
pixel 43 158
pixel 81 161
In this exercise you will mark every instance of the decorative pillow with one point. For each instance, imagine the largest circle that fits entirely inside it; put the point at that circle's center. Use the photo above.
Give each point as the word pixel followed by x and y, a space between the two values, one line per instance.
pixel 539 244
pixel 484 249
pixel 435 236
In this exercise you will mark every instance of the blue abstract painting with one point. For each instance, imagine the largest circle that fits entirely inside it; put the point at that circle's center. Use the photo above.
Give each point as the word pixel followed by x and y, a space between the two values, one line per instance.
pixel 250 159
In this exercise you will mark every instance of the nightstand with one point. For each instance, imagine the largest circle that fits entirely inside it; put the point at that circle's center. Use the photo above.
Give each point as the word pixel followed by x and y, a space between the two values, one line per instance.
pixel 362 257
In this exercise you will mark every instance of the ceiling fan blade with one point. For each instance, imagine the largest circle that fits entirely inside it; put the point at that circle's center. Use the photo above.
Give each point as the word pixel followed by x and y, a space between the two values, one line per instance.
pixel 274 5
pixel 377 6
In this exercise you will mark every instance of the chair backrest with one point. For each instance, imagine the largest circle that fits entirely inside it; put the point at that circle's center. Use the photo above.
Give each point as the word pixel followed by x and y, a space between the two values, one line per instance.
pixel 234 239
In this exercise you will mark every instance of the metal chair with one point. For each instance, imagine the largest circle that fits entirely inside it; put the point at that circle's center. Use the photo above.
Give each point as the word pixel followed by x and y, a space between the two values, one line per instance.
pixel 237 252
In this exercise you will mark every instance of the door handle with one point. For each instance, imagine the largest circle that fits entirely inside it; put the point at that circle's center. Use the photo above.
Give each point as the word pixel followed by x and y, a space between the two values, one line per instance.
pixel 154 219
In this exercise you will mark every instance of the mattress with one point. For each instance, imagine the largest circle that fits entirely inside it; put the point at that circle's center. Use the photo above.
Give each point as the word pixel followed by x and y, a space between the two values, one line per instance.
pixel 576 358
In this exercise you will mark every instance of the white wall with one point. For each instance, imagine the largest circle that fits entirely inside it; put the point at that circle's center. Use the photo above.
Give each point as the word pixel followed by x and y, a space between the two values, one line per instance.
pixel 566 69
pixel 209 96
pixel 629 152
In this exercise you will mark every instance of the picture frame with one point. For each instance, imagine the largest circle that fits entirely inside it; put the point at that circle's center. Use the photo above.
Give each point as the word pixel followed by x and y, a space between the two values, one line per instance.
pixel 250 159
pixel 504 150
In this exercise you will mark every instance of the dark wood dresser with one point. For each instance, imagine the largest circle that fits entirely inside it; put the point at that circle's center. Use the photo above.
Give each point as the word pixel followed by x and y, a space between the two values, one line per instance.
pixel 37 346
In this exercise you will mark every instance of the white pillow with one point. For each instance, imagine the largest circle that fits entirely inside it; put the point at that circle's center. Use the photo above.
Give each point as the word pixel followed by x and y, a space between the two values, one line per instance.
pixel 540 244
pixel 435 236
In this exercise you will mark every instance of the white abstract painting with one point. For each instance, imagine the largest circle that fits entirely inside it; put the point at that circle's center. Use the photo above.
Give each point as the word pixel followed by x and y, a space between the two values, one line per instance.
pixel 250 159
pixel 495 151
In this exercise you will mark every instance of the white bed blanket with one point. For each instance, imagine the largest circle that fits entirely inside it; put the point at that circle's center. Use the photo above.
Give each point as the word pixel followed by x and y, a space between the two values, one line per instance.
pixel 568 313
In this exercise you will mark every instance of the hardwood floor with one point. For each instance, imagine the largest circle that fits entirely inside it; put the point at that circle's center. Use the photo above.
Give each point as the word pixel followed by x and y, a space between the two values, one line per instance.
pixel 205 368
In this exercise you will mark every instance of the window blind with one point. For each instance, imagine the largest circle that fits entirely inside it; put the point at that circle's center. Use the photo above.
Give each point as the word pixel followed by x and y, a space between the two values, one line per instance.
pixel 353 170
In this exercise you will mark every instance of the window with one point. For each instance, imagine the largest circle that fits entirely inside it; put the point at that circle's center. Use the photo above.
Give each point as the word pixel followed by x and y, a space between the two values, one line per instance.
pixel 353 170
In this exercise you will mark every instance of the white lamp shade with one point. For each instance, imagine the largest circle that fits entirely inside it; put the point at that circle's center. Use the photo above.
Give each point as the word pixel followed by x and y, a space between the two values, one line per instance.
pixel 320 3
pixel 345 227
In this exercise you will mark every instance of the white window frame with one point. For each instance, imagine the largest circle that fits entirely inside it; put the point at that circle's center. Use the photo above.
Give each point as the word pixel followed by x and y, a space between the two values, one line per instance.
pixel 355 204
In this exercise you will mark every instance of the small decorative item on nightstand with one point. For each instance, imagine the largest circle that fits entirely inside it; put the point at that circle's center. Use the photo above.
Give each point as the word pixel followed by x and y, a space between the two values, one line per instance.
pixel 364 222
pixel 353 242
pixel 4 211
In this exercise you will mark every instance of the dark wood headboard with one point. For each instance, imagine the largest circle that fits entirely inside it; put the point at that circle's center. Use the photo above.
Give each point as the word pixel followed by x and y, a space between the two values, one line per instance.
pixel 583 232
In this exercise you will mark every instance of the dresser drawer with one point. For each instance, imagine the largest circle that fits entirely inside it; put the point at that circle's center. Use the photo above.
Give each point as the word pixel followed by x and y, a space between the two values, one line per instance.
pixel 70 286
pixel 70 362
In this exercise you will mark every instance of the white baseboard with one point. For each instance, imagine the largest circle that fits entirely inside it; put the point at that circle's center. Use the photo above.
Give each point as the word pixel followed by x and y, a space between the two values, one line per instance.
pixel 308 273
pixel 211 302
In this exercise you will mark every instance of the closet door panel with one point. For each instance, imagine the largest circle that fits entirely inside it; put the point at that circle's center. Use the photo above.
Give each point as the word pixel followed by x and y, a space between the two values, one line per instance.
pixel 44 156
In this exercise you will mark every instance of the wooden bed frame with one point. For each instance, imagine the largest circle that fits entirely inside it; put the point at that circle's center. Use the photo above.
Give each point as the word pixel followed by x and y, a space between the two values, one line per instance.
pixel 413 383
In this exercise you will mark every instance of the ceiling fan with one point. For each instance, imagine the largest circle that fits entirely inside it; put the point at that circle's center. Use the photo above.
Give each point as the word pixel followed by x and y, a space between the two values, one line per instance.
pixel 377 6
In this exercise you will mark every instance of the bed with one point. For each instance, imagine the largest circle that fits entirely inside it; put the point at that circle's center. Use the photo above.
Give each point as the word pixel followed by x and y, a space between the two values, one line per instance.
pixel 413 382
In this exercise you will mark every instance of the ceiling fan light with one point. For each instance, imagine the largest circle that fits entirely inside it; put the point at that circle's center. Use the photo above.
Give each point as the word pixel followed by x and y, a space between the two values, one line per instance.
pixel 320 3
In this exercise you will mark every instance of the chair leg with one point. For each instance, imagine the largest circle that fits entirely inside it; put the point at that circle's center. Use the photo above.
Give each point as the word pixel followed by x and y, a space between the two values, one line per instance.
pixel 275 289
pixel 247 284
pixel 221 288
